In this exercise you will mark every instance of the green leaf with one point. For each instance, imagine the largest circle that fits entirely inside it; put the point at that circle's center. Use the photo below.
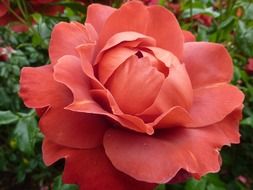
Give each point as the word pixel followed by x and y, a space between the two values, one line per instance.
pixel 26 133
pixel 196 185
pixel 226 22
pixel 37 17
pixel 215 180
pixel 58 185
pixel 209 11
pixel 7 117
pixel 249 12
pixel 247 121
pixel 213 187
pixel 161 187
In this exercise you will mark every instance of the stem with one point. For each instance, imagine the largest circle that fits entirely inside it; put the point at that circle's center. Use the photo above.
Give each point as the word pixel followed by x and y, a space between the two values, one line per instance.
pixel 14 13
pixel 191 26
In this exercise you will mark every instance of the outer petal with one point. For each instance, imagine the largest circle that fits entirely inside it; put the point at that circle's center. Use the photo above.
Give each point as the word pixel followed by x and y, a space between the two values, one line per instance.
pixel 129 36
pixel 90 169
pixel 135 81
pixel 211 65
pixel 188 36
pixel 97 15
pixel 61 45
pixel 212 104
pixel 158 158
pixel 176 116
pixel 119 21
pixel 69 72
pixel 164 28
pixel 145 22
pixel 38 88
pixel 73 129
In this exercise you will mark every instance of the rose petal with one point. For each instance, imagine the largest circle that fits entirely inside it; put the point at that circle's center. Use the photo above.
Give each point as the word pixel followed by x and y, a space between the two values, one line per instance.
pixel 211 65
pixel 79 33
pixel 158 158
pixel 176 116
pixel 73 129
pixel 97 15
pixel 188 36
pixel 128 121
pixel 121 119
pixel 176 89
pixel 86 53
pixel 91 165
pixel 167 31
pixel 145 22
pixel 111 57
pixel 135 85
pixel 41 111
pixel 212 104
pixel 128 36
pixel 111 60
pixel 38 89
pixel 68 71
pixel 119 21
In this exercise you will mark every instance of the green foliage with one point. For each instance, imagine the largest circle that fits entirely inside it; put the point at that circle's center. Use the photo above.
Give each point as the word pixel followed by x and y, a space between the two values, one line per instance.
pixel 7 117
pixel 58 185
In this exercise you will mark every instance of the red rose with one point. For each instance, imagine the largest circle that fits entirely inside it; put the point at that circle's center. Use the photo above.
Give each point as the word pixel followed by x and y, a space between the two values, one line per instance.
pixel 249 66
pixel 3 8
pixel 174 7
pixel 128 104
pixel 5 53
pixel 204 19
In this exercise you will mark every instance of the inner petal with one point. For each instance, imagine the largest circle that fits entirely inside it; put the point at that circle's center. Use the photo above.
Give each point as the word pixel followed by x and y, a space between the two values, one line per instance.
pixel 117 50
pixel 135 84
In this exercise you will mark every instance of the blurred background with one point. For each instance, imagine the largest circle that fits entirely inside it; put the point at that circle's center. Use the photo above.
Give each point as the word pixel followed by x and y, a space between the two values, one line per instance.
pixel 25 27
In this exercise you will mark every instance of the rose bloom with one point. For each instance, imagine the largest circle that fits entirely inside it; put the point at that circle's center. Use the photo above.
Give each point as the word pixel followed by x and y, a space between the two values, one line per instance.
pixel 129 102
pixel 249 66
pixel 204 19
pixel 5 53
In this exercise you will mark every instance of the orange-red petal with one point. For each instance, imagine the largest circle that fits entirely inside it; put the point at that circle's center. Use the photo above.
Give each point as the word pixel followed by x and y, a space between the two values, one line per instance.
pixel 164 28
pixel 176 89
pixel 135 81
pixel 78 34
pixel 38 89
pixel 116 51
pixel 133 11
pixel 188 36
pixel 97 15
pixel 212 104
pixel 158 158
pixel 90 169
pixel 73 129
pixel 68 71
pixel 166 32
pixel 207 63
